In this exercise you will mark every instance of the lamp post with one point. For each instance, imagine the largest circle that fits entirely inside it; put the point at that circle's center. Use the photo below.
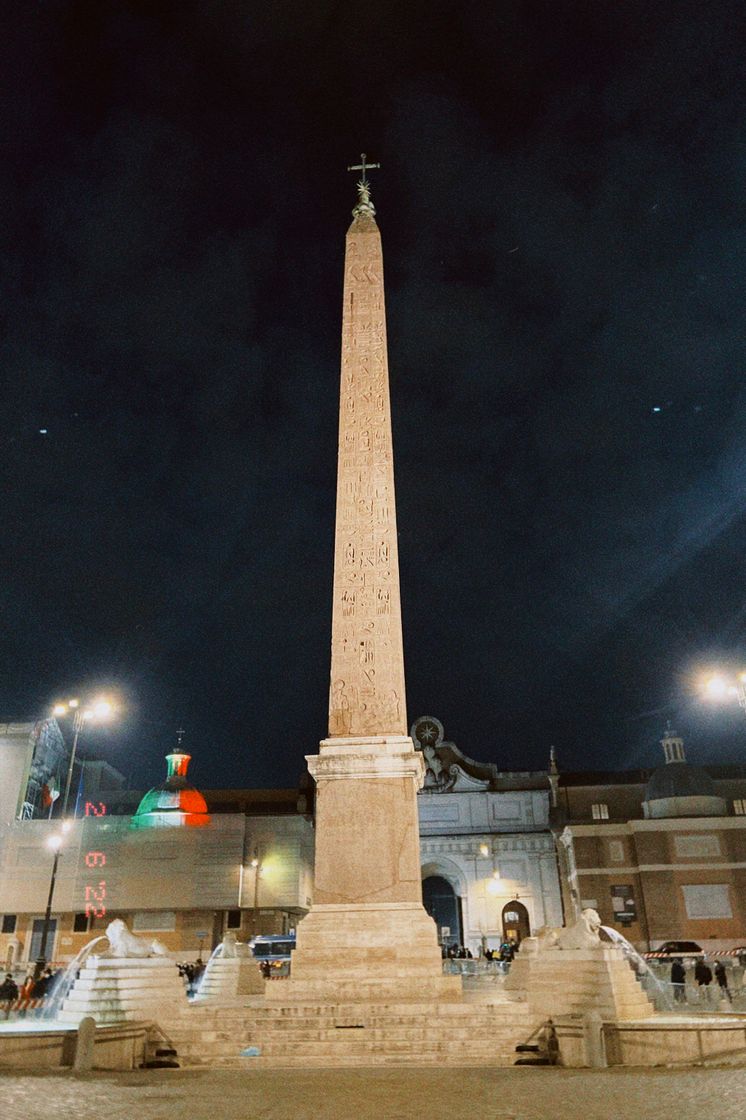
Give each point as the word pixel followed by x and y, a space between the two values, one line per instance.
pixel 55 843
pixel 99 710
pixel 256 864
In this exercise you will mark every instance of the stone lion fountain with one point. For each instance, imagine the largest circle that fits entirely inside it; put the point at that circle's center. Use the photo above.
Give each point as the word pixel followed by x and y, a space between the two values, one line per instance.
pixel 231 972
pixel 570 971
pixel 133 979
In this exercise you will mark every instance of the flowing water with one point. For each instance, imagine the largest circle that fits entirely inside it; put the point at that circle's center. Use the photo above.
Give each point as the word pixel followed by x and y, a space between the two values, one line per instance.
pixel 217 952
pixel 654 987
pixel 64 983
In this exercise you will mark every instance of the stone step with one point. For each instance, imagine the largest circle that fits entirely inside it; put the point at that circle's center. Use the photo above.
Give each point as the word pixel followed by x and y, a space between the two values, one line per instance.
pixel 323 1054
pixel 346 1038
pixel 355 1061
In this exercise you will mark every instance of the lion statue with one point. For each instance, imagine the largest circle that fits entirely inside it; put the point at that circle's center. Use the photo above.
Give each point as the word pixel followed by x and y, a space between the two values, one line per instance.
pixel 122 943
pixel 584 934
pixel 232 947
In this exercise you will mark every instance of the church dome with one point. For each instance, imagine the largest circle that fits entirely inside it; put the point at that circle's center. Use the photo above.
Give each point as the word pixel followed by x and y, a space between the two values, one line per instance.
pixel 174 802
pixel 679 779
pixel 677 789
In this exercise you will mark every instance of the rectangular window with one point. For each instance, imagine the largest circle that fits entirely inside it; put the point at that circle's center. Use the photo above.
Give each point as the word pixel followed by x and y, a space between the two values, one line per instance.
pixel 739 807
pixel 154 921
pixel 707 900
pixel 233 919
pixel 80 923
pixel 600 811
pixel 697 846
pixel 9 923
pixel 616 851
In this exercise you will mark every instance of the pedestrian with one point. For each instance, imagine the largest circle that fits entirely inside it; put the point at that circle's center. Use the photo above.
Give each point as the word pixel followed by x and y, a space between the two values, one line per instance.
pixel 722 978
pixel 507 951
pixel 197 973
pixel 26 994
pixel 43 984
pixel 678 980
pixel 703 979
pixel 8 993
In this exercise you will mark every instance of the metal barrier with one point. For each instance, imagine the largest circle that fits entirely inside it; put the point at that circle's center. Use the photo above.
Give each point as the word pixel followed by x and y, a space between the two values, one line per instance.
pixel 477 968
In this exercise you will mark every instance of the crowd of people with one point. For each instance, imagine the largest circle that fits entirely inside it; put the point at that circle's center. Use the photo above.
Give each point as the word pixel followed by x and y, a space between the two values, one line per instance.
pixel 30 995
pixel 505 953
pixel 703 977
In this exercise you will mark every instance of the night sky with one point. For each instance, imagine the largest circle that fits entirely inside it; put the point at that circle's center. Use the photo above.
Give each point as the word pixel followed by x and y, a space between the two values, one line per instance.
pixel 561 205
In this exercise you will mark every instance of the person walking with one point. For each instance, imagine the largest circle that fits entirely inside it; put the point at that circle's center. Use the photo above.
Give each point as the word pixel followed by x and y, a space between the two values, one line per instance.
pixel 678 980
pixel 722 978
pixel 8 993
pixel 703 979
pixel 25 995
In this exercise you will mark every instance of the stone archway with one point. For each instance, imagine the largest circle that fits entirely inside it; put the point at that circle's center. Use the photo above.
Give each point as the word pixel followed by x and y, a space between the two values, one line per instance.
pixel 516 924
pixel 444 907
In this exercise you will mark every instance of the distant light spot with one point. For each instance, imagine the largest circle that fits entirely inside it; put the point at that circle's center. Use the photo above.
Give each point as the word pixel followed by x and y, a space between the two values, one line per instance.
pixel 43 431
pixel 656 408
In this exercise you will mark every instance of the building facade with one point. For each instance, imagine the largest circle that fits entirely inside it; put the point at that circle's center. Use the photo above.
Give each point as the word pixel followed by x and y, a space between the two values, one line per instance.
pixel 489 865
pixel 186 885
pixel 661 855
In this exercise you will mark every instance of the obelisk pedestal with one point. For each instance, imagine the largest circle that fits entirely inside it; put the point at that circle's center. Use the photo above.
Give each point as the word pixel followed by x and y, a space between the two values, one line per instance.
pixel 367 935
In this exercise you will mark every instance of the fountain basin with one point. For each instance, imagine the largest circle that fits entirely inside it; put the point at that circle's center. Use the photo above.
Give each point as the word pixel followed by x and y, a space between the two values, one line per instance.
pixel 46 1044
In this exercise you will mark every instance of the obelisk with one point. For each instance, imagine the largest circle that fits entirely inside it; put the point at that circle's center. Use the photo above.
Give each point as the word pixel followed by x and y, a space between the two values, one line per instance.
pixel 367 934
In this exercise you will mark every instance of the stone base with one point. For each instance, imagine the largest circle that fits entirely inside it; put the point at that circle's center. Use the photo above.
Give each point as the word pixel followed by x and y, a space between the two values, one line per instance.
pixel 228 977
pixel 559 982
pixel 117 989
pixel 370 951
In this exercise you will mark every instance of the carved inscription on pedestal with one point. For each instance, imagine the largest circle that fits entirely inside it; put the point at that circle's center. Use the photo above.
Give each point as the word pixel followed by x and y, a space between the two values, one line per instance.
pixel 367 677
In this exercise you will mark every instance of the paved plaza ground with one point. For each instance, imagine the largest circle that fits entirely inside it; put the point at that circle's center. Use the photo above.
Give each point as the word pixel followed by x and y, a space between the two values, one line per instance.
pixel 374 1094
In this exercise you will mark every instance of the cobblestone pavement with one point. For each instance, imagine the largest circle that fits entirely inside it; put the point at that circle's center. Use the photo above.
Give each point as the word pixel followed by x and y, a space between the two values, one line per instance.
pixel 373 1094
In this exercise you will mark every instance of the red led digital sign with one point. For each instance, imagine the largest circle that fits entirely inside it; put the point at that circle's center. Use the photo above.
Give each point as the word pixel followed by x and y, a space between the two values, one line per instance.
pixel 95 892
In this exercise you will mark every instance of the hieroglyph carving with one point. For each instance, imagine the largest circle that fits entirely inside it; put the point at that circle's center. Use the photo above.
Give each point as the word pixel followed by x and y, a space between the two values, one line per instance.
pixel 367 677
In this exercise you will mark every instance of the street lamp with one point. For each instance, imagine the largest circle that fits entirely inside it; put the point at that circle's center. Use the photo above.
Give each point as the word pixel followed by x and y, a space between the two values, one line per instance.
pixel 100 710
pixel 55 844
pixel 256 864
pixel 721 689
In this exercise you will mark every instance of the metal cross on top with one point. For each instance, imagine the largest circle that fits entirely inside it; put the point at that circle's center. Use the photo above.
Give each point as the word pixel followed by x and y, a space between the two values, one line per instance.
pixel 363 166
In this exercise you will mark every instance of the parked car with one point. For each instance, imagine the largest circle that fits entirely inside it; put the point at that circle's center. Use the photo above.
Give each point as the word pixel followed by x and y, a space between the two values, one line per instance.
pixel 671 949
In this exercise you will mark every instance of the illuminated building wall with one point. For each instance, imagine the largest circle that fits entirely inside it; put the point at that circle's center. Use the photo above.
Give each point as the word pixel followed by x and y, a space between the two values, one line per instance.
pixel 176 882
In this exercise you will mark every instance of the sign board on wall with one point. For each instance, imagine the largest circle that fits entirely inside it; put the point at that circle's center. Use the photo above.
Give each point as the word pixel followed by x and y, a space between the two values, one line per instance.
pixel 623 904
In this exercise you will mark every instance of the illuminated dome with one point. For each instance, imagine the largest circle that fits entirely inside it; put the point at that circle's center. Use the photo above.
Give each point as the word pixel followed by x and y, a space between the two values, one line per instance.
pixel 174 802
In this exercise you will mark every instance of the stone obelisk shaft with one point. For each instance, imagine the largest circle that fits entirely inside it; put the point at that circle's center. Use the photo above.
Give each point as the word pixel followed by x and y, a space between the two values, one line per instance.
pixel 367 673
pixel 367 935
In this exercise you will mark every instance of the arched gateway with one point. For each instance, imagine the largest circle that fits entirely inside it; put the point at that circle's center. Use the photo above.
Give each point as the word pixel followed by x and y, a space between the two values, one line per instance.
pixel 444 907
